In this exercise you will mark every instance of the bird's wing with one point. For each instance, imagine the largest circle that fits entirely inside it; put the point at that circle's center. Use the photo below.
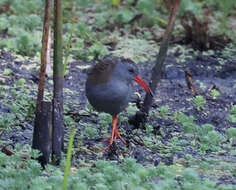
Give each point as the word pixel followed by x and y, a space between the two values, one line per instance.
pixel 101 72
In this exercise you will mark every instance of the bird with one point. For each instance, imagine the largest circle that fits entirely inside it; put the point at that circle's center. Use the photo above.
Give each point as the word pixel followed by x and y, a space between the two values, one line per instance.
pixel 109 88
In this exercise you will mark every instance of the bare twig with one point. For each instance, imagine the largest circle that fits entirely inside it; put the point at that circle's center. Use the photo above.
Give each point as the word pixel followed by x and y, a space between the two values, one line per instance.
pixel 7 151
pixel 189 81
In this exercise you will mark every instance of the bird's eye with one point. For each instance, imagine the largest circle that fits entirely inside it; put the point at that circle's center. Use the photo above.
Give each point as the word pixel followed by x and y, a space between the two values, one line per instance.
pixel 131 70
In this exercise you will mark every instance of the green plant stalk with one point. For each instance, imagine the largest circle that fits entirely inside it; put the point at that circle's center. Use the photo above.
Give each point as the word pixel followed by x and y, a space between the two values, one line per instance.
pixel 68 159
pixel 68 47
pixel 69 43
pixel 58 79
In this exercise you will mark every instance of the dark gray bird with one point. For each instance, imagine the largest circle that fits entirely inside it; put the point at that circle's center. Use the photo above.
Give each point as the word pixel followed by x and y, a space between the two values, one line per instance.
pixel 109 88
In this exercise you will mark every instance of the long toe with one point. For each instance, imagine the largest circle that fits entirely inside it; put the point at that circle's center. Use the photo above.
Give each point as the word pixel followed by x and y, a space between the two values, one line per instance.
pixel 117 136
pixel 111 140
pixel 115 133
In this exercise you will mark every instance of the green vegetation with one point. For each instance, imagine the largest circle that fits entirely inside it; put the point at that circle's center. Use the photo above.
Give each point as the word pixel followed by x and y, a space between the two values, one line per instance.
pixel 164 111
pixel 7 71
pixel 21 102
pixel 21 174
pixel 215 93
pixel 21 25
pixel 68 160
pixel 190 149
pixel 184 173
pixel 199 102
pixel 232 116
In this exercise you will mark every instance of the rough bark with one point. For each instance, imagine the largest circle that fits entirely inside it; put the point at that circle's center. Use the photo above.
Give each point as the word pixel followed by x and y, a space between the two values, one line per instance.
pixel 45 40
pixel 57 120
pixel 41 136
pixel 42 123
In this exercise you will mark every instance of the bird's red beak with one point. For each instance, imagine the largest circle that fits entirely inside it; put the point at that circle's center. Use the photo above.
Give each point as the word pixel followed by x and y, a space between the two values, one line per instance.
pixel 140 81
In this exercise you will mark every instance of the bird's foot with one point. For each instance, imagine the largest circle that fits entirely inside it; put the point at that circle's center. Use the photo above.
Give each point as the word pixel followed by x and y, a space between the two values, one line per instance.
pixel 115 135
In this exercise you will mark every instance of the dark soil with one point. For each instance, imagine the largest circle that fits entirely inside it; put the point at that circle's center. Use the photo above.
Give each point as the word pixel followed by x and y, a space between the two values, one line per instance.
pixel 172 91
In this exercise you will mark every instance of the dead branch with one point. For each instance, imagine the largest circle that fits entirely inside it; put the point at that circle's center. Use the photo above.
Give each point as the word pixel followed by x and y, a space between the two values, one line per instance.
pixel 189 81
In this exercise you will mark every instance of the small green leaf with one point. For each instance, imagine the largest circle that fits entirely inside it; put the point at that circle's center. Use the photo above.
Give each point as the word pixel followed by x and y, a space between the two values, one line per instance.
pixel 115 2
pixel 164 110
pixel 232 118
pixel 199 102
pixel 7 72
pixel 231 132
pixel 215 93
pixel 149 129
pixel 20 82
pixel 233 110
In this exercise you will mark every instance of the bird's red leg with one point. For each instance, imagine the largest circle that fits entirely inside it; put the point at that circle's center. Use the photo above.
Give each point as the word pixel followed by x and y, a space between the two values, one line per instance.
pixel 115 129
pixel 115 133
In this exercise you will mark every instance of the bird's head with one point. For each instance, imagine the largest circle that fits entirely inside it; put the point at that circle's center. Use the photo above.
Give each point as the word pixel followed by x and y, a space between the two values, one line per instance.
pixel 126 69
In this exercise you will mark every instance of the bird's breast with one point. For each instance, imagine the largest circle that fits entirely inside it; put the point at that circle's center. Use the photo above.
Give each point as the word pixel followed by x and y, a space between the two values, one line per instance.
pixel 111 97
